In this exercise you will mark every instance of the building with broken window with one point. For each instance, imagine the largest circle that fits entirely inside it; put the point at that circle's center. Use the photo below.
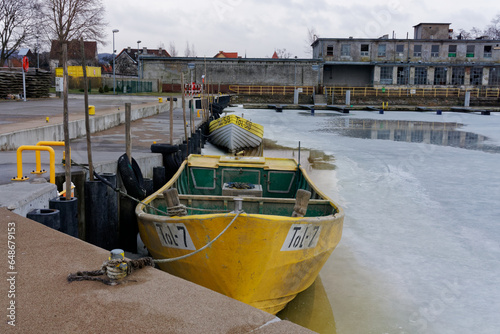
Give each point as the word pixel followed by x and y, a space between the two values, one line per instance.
pixel 432 58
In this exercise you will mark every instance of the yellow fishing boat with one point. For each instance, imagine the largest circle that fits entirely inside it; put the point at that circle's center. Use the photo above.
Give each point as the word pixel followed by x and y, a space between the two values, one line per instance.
pixel 255 229
pixel 235 133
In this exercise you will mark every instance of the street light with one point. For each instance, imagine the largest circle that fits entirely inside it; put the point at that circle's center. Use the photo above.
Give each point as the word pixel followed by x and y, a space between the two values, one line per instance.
pixel 138 63
pixel 114 77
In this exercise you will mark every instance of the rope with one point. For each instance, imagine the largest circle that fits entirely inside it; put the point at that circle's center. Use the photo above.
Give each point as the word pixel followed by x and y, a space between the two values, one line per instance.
pixel 202 248
pixel 178 210
pixel 115 270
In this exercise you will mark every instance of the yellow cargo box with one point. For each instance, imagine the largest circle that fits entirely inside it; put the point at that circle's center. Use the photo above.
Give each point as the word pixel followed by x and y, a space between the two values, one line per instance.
pixel 76 71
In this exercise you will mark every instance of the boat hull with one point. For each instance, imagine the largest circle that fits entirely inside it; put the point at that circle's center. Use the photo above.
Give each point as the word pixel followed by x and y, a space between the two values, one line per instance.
pixel 235 133
pixel 250 261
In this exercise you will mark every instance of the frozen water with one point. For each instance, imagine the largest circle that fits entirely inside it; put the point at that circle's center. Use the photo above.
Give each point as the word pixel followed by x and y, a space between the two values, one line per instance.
pixel 420 251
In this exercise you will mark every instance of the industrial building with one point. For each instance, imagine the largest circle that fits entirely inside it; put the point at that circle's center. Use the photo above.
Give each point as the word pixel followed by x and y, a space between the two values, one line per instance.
pixel 431 59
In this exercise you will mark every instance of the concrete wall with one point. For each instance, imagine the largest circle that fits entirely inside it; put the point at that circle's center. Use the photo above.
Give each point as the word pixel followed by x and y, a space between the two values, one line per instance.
pixel 240 71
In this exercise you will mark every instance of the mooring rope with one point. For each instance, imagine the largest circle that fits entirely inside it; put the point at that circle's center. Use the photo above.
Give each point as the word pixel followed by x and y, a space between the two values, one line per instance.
pixel 115 270
pixel 202 248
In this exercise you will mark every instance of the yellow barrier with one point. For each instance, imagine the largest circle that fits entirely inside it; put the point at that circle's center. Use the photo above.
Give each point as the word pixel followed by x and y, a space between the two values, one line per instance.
pixel 38 167
pixel 412 92
pixel 20 150
pixel 268 90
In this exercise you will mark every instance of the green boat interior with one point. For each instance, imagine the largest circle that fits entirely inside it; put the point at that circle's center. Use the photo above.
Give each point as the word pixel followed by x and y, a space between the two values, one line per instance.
pixel 264 191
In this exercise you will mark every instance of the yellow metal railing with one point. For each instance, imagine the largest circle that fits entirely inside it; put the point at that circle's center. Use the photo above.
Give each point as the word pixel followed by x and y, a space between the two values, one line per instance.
pixel 268 90
pixel 38 167
pixel 412 92
pixel 20 150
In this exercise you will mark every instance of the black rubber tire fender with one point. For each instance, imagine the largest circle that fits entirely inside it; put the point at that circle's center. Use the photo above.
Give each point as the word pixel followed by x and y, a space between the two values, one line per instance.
pixel 131 176
pixel 164 148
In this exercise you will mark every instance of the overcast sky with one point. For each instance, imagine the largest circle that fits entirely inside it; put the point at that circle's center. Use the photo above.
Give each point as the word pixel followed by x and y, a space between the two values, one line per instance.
pixel 256 28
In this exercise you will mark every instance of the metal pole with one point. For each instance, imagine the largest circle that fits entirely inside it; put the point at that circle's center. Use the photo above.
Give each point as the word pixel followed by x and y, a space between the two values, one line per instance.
pixel 138 63
pixel 24 86
pixel 114 77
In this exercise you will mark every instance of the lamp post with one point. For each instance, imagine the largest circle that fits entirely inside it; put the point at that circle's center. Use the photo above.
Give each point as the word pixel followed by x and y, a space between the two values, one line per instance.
pixel 138 62
pixel 114 77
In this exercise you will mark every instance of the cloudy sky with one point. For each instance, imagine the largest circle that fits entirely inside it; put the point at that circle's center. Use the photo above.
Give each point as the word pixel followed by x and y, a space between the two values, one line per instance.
pixel 256 28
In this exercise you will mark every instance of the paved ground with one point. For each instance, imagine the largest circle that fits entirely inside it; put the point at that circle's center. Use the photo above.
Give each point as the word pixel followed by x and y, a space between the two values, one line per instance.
pixel 36 297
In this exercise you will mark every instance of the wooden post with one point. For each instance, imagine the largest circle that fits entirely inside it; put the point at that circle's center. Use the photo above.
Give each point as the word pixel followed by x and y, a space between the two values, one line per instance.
pixel 171 120
pixel 171 197
pixel 67 170
pixel 87 119
pixel 128 142
pixel 301 202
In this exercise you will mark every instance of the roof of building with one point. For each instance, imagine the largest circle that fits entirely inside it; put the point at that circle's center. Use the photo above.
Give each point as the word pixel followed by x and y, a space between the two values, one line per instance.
pixel 74 49
pixel 275 55
pixel 132 53
pixel 223 54
pixel 434 24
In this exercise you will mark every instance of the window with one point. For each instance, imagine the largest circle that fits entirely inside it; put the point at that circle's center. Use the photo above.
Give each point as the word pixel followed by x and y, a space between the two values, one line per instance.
pixel 365 50
pixel 487 51
pixel 435 51
pixel 403 75
pixel 400 50
pixel 458 76
pixel 476 76
pixel 417 51
pixel 329 50
pixel 420 75
pixel 386 75
pixel 452 51
pixel 470 51
pixel 345 50
pixel 381 50
pixel 440 75
pixel 494 79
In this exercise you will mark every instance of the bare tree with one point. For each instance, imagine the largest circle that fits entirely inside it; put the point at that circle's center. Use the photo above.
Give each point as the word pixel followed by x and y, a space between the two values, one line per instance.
pixel 311 37
pixel 187 50
pixel 282 53
pixel 493 30
pixel 193 51
pixel 16 25
pixel 68 20
pixel 172 50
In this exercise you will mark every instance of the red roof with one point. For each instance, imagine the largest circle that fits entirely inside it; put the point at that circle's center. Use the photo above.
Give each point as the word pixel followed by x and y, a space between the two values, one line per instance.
pixel 275 55
pixel 223 54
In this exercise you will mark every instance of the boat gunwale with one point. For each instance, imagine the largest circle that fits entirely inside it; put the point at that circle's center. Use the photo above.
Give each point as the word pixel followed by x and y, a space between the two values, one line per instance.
pixel 140 208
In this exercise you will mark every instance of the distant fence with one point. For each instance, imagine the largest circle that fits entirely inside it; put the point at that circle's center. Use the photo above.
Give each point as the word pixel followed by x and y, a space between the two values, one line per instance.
pixel 413 92
pixel 268 90
pixel 122 85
